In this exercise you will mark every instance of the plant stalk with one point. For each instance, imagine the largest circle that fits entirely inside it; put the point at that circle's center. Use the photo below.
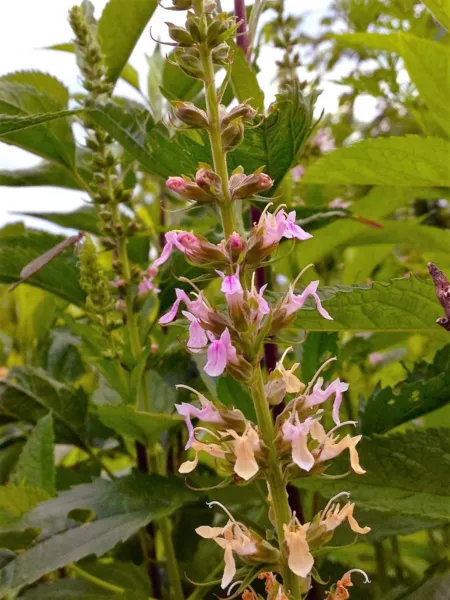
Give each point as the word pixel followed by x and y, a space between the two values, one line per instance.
pixel 280 501
pixel 215 137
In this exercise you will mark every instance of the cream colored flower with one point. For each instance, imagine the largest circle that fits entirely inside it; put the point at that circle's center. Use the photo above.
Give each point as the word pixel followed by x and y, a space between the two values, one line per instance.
pixel 330 446
pixel 333 515
pixel 292 382
pixel 244 447
pixel 300 559
pixel 212 449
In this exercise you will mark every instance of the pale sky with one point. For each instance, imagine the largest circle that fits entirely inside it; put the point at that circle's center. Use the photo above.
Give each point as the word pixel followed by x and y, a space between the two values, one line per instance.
pixel 28 26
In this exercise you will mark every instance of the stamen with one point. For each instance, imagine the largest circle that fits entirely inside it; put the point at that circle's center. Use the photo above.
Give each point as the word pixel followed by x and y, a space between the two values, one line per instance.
pixel 187 387
pixel 225 510
pixel 354 423
pixel 280 207
pixel 325 476
pixel 284 354
pixel 314 379
pixel 363 573
pixel 294 283
pixel 214 435
pixel 190 283
pixel 330 502
pixel 233 585
pixel 266 208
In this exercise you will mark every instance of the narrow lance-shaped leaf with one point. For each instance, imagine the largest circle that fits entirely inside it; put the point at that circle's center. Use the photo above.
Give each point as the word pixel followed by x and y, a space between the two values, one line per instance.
pixel 39 263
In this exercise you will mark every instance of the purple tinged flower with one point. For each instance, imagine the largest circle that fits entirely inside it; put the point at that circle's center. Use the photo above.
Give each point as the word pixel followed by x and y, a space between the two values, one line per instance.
pixel 207 413
pixel 257 297
pixel 297 433
pixel 198 339
pixel 297 172
pixel 231 284
pixel 220 353
pixel 292 230
pixel 318 396
pixel 147 285
pixel 172 313
pixel 293 303
pixel 176 184
pixel 279 225
pixel 171 238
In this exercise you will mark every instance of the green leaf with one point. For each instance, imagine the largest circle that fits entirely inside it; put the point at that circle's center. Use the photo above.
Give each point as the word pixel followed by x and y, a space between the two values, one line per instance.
pixel 176 85
pixel 36 464
pixel 121 508
pixel 9 124
pixel 60 276
pixel 156 64
pixel 28 394
pixel 22 104
pixel 244 82
pixel 45 173
pixel 138 425
pixel 440 10
pixel 426 389
pixel 15 501
pixel 318 347
pixel 119 28
pixel 132 578
pixel 401 305
pixel 395 161
pixel 418 53
pixel 83 219
pixel 406 474
pixel 232 393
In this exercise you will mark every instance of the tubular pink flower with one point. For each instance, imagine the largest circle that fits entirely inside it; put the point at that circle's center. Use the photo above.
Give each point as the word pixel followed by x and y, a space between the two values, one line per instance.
pixel 294 231
pixel 220 353
pixel 172 313
pixel 297 433
pixel 198 340
pixel 147 285
pixel 207 413
pixel 171 238
pixel 231 284
pixel 294 303
pixel 318 396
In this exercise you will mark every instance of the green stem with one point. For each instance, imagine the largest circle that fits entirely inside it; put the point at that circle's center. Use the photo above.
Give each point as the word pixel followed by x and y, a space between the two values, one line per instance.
pixel 280 501
pixel 96 580
pixel 380 560
pixel 215 137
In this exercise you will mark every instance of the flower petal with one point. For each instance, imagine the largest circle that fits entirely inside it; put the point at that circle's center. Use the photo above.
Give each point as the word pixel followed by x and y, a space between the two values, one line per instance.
pixel 217 359
pixel 207 532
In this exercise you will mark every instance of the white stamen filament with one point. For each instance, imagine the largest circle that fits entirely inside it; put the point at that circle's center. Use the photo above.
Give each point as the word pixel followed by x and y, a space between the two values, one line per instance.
pixel 185 279
pixel 313 380
pixel 186 387
pixel 354 423
pixel 330 502
pixel 284 354
pixel 363 573
pixel 266 208
pixel 214 435
pixel 280 207
pixel 325 476
pixel 294 283
pixel 233 585
pixel 225 510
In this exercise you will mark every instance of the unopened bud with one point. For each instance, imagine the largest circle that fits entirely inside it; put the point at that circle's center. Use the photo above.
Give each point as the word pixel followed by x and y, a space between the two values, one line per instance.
pixel 235 247
pixel 193 25
pixel 275 388
pixel 241 111
pixel 241 370
pixel 200 251
pixel 180 35
pixel 189 63
pixel 215 30
pixel 245 186
pixel 205 178
pixel 209 6
pixel 232 136
pixel 190 190
pixel 176 184
pixel 189 114
pixel 221 55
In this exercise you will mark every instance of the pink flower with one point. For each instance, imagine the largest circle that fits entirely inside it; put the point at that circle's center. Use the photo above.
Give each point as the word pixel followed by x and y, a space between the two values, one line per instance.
pixel 274 227
pixel 207 413
pixel 198 340
pixel 261 303
pixel 324 140
pixel 176 184
pixel 291 230
pixel 293 303
pixel 171 238
pixel 220 353
pixel 197 307
pixel 318 396
pixel 172 313
pixel 147 285
pixel 231 284
pixel 297 433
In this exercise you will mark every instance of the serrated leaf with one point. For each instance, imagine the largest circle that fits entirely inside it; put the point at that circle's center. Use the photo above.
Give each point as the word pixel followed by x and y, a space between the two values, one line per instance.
pixel 9 124
pixel 440 10
pixel 418 53
pixel 395 161
pixel 426 389
pixel 395 465
pixel 28 394
pixel 138 425
pixel 60 276
pixel 274 143
pixel 36 464
pixel 121 507
pixel 119 28
pixel 21 104
pixel 244 82
pixel 401 305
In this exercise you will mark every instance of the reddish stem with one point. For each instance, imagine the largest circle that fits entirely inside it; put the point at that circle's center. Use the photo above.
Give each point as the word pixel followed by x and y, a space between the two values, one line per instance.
pixel 242 37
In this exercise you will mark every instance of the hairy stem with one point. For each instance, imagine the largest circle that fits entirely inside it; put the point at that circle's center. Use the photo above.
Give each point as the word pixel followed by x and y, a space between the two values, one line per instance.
pixel 280 502
pixel 215 137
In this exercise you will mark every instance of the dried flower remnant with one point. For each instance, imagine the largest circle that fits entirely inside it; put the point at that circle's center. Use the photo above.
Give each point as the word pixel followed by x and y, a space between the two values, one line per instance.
pixel 443 294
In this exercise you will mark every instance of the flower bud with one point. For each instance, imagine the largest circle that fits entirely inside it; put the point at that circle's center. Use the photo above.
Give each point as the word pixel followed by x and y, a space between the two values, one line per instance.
pixel 241 111
pixel 199 250
pixel 190 115
pixel 245 187
pixel 275 388
pixel 215 30
pixel 209 180
pixel 193 25
pixel 189 63
pixel 180 35
pixel 235 246
pixel 241 370
pixel 232 136
pixel 209 6
pixel 221 55
pixel 176 184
